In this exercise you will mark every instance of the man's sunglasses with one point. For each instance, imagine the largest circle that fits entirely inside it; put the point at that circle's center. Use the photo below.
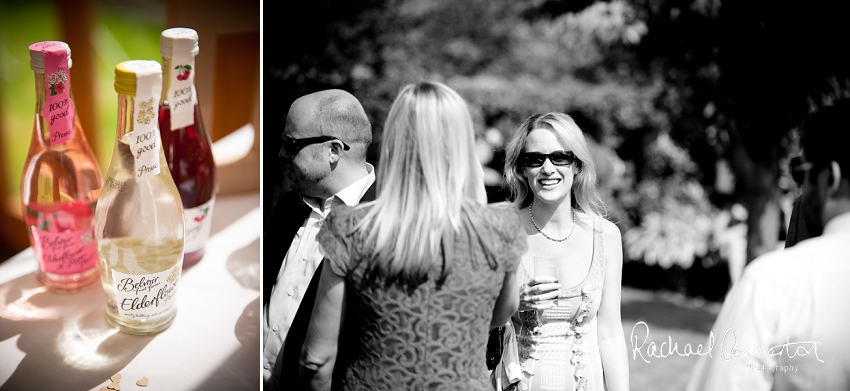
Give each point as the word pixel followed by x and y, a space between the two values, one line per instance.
pixel 558 158
pixel 293 145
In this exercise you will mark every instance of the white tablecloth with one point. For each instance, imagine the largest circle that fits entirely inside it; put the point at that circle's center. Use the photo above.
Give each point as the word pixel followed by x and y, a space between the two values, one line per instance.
pixel 52 341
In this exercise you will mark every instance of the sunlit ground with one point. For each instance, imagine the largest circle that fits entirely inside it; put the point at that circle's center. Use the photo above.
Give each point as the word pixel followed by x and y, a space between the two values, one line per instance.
pixel 80 345
pixel 668 317
pixel 20 308
pixel 28 308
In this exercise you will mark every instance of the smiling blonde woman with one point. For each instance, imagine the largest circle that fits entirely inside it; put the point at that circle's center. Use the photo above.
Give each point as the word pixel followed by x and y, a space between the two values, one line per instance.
pixel 568 324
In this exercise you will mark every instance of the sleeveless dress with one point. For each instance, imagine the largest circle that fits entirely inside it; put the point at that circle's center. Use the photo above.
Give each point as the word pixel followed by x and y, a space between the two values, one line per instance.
pixel 558 347
pixel 432 336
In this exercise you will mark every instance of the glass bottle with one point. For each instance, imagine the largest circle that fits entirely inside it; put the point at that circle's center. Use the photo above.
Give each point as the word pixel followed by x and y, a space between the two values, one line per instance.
pixel 187 146
pixel 61 180
pixel 139 216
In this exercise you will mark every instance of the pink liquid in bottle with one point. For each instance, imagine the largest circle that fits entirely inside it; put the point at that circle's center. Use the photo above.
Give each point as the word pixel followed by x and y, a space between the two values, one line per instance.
pixel 61 181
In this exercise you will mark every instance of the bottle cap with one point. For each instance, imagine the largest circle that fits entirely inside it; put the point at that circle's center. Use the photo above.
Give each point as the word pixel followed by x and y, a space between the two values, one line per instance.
pixel 126 73
pixel 37 58
pixel 169 38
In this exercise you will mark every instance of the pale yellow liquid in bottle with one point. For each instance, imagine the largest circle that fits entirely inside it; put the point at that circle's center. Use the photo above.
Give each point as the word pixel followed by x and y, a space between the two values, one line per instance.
pixel 134 256
pixel 139 232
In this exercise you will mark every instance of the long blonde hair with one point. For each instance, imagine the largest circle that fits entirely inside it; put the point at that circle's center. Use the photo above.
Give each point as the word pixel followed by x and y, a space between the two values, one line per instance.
pixel 585 195
pixel 427 169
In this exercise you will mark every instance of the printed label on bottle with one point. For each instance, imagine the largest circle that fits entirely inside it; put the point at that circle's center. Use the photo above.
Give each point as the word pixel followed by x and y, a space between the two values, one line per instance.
pixel 198 223
pixel 63 236
pixel 181 92
pixel 58 108
pixel 145 148
pixel 145 297
pixel 145 142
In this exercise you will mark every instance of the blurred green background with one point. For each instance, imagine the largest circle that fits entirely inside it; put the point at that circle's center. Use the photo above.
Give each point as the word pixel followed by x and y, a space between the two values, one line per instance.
pixel 121 31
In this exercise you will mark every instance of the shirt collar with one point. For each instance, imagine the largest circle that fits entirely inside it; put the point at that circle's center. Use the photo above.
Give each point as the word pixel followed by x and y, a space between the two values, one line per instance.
pixel 350 195
pixel 837 224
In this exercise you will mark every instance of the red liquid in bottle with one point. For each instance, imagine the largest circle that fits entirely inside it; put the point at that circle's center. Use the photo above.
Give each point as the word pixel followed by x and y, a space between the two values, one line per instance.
pixel 188 151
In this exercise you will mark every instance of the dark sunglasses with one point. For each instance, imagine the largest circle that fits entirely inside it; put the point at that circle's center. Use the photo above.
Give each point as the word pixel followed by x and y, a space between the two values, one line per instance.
pixel 558 158
pixel 293 145
pixel 798 169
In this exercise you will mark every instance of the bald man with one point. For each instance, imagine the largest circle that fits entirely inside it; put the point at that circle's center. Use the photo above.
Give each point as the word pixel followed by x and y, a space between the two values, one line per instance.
pixel 325 141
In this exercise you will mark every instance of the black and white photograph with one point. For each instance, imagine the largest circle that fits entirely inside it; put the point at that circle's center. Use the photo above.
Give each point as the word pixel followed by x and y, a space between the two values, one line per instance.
pixel 664 199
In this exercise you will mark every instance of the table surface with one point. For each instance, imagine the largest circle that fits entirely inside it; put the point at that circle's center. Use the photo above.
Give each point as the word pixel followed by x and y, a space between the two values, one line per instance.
pixel 52 341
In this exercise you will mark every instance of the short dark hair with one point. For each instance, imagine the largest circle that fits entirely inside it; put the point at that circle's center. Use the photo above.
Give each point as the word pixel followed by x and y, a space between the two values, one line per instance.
pixel 341 115
pixel 826 136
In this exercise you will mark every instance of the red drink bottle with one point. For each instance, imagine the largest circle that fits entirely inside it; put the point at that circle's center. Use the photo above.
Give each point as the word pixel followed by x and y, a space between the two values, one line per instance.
pixel 187 146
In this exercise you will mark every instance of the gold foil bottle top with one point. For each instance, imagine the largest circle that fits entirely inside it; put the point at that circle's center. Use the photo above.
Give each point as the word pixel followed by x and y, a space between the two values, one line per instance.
pixel 37 57
pixel 127 72
pixel 169 39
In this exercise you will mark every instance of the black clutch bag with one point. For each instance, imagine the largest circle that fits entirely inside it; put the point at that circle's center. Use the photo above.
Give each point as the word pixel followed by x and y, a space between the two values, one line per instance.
pixel 495 347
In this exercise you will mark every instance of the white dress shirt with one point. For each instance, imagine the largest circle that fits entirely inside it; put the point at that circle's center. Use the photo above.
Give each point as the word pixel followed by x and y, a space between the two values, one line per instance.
pixel 784 325
pixel 297 270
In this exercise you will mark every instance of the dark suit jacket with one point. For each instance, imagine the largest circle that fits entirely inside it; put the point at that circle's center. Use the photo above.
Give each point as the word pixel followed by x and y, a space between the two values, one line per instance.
pixel 798 229
pixel 285 373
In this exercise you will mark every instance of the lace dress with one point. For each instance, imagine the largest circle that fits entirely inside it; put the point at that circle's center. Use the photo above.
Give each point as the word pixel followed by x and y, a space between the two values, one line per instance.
pixel 432 337
pixel 558 347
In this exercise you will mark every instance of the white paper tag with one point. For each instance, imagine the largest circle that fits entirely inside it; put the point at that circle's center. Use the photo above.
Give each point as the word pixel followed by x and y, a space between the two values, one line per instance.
pixel 181 96
pixel 146 296
pixel 145 147
pixel 145 142
pixel 198 222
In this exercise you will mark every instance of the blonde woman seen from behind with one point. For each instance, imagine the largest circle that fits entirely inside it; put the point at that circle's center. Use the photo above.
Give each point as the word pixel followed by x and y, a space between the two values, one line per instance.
pixel 568 325
pixel 423 272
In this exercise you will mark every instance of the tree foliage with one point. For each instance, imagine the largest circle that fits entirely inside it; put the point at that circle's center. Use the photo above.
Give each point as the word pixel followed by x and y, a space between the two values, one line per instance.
pixel 673 86
pixel 739 77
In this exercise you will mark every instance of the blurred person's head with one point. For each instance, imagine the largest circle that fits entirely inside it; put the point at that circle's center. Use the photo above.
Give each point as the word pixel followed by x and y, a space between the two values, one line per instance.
pixel 551 182
pixel 428 171
pixel 326 137
pixel 826 160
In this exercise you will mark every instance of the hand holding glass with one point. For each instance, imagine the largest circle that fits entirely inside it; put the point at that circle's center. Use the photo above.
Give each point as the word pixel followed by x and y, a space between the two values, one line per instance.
pixel 542 290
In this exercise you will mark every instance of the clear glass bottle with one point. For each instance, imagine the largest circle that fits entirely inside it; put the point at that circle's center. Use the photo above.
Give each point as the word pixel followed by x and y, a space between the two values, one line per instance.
pixel 61 181
pixel 139 217
pixel 188 148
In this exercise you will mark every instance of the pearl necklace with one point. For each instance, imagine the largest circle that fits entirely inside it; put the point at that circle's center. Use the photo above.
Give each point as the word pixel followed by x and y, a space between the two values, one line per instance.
pixel 544 234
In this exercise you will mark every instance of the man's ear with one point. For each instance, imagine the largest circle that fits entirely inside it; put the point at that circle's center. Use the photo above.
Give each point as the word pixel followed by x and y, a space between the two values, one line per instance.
pixel 834 180
pixel 335 151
